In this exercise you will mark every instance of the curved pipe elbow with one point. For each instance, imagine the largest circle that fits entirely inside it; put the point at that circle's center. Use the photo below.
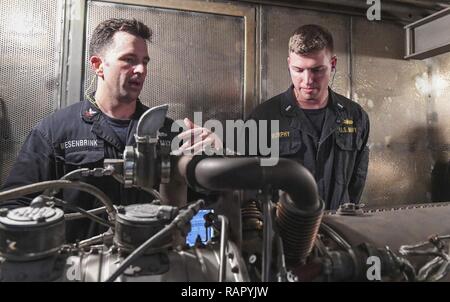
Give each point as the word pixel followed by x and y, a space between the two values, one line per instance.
pixel 219 174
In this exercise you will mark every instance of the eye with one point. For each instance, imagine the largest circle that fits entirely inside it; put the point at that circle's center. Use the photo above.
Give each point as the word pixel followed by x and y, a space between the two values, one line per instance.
pixel 318 69
pixel 129 60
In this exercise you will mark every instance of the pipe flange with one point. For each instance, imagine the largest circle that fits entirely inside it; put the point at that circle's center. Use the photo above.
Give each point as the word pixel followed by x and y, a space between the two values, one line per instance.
pixel 129 164
pixel 146 139
pixel 164 151
pixel 165 169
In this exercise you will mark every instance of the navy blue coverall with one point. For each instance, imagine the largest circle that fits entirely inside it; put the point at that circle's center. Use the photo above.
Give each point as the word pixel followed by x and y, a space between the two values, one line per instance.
pixel 338 159
pixel 78 136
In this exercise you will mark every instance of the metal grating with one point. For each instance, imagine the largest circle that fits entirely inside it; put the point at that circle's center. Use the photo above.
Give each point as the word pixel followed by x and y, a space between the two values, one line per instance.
pixel 8 153
pixel 277 25
pixel 196 59
pixel 29 63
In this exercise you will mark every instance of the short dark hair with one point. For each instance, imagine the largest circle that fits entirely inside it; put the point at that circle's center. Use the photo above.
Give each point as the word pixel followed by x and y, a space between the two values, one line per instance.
pixel 310 38
pixel 104 32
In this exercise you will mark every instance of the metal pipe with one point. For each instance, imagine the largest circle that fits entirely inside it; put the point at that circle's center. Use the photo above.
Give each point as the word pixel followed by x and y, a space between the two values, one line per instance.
pixel 119 178
pixel 223 247
pixel 222 174
pixel 78 173
pixel 267 239
pixel 152 192
pixel 74 216
pixel 83 212
pixel 96 240
pixel 282 273
pixel 61 184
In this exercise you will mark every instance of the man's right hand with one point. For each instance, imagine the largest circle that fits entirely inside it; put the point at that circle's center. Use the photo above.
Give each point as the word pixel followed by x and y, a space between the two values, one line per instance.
pixel 198 139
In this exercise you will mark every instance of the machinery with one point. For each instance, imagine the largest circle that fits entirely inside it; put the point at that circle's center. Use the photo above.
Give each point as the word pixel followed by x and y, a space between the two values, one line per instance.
pixel 256 238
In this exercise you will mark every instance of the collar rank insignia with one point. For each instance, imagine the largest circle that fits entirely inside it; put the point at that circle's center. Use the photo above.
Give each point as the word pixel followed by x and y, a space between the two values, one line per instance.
pixel 90 113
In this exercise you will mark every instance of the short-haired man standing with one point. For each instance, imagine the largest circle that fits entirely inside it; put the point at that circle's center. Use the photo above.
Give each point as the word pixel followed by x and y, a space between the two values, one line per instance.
pixel 323 130
pixel 100 126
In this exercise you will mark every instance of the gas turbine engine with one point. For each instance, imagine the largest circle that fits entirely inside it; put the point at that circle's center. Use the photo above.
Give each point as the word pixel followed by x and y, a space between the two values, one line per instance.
pixel 256 239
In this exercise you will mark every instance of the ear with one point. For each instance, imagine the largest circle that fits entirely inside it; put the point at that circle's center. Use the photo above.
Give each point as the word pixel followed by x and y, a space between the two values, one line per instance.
pixel 97 65
pixel 289 64
pixel 333 62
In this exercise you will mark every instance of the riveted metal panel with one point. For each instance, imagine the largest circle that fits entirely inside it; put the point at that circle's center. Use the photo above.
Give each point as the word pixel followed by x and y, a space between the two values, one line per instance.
pixel 277 26
pixel 387 88
pixel 197 59
pixel 29 70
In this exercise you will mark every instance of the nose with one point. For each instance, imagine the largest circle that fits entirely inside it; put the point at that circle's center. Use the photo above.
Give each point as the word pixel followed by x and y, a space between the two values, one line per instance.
pixel 140 68
pixel 308 76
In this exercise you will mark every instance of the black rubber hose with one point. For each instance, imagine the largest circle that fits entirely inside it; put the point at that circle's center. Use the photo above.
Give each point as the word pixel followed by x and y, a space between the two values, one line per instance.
pixel 299 212
pixel 298 228
pixel 220 174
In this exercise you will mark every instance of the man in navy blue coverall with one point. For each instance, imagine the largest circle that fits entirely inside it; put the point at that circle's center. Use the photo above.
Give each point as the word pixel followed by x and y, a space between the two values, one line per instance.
pixel 100 126
pixel 321 129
